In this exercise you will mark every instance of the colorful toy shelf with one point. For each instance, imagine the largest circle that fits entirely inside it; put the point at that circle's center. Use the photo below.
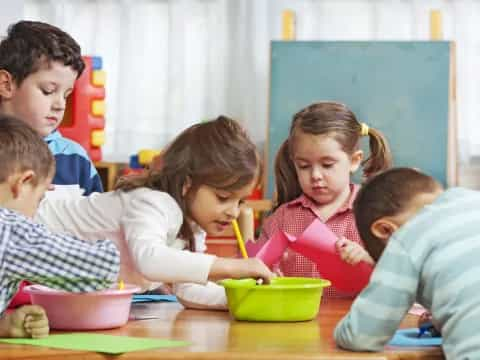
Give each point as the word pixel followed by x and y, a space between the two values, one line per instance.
pixel 84 119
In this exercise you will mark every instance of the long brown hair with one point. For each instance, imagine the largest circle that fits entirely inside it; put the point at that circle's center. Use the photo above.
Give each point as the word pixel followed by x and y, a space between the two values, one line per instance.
pixel 335 120
pixel 216 153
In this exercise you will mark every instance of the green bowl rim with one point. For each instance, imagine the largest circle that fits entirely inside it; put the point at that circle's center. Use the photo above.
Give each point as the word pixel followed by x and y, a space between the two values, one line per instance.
pixel 316 283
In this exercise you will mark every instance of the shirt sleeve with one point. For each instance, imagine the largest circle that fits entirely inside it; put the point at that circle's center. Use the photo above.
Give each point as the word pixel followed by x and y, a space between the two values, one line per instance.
pixel 148 224
pixel 60 261
pixel 94 184
pixel 206 297
pixel 377 312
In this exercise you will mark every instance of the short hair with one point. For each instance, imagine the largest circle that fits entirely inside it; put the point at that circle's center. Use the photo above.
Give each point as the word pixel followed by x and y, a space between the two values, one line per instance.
pixel 388 194
pixel 21 149
pixel 32 44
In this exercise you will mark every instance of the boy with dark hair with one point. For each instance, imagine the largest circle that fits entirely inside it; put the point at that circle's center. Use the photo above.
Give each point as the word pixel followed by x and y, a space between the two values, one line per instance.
pixel 39 64
pixel 28 251
pixel 427 243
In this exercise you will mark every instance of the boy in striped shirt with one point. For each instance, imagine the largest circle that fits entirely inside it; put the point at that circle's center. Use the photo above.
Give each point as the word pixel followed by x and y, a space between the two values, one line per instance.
pixel 427 244
pixel 28 251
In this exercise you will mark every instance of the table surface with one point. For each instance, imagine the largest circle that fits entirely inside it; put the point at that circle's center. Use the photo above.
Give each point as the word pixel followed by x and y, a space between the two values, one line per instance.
pixel 215 335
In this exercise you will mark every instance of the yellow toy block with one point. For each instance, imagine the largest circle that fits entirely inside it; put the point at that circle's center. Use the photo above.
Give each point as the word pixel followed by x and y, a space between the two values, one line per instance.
pixel 146 156
pixel 97 137
pixel 98 107
pixel 98 78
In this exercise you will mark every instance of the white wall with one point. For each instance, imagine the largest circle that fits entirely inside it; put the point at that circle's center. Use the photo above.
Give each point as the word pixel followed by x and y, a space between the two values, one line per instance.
pixel 11 11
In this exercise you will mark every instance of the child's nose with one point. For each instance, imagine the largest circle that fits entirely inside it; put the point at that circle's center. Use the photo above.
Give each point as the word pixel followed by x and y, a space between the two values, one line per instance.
pixel 233 211
pixel 59 103
pixel 316 173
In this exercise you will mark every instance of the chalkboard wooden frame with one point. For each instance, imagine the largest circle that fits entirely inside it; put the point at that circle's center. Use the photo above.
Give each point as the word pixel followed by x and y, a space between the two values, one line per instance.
pixel 405 89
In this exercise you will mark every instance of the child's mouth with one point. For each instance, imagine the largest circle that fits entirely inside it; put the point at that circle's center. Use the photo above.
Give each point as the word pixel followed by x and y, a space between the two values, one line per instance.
pixel 222 225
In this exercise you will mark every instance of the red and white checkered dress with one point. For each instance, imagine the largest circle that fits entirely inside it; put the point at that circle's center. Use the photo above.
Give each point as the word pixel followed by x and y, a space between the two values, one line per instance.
pixel 294 217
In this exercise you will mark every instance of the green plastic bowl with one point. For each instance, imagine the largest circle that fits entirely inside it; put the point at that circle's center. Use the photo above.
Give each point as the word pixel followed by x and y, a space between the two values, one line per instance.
pixel 284 299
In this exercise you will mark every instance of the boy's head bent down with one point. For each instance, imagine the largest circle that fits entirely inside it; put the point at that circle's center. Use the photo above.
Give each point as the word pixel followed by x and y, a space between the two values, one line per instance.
pixel 27 166
pixel 389 200
pixel 39 64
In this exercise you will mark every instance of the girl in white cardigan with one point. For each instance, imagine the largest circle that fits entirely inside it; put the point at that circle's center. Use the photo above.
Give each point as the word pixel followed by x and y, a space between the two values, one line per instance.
pixel 158 219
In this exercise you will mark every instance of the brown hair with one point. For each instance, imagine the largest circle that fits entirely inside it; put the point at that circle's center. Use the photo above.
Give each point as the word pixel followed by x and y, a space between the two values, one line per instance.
pixel 387 194
pixel 216 153
pixel 32 44
pixel 332 119
pixel 21 149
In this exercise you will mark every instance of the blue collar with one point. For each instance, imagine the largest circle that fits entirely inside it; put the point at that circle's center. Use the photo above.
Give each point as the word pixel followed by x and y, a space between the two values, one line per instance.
pixel 54 135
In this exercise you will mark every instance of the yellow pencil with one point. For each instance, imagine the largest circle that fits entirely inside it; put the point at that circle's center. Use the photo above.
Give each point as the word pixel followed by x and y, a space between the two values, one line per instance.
pixel 238 234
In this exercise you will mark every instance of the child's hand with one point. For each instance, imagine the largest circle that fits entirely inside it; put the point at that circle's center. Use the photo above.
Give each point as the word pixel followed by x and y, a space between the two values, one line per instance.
pixel 28 321
pixel 240 268
pixel 257 269
pixel 277 271
pixel 425 318
pixel 352 252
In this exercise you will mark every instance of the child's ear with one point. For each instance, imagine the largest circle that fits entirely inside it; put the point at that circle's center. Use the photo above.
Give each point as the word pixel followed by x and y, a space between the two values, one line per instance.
pixel 7 84
pixel 356 160
pixel 186 185
pixel 383 228
pixel 21 181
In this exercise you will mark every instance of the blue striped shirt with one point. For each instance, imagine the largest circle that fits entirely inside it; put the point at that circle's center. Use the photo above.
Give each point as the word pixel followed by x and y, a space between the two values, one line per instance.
pixel 28 251
pixel 433 259
pixel 74 167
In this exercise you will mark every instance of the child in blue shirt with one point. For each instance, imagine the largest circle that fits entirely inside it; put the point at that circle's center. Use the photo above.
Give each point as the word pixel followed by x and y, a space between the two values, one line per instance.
pixel 39 64
pixel 28 251
pixel 427 243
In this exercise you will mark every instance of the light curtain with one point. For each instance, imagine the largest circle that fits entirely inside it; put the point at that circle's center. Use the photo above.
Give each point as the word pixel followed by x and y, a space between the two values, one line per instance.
pixel 173 63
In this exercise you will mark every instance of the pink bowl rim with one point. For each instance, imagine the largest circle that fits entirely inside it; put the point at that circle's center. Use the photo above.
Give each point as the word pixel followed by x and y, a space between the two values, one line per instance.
pixel 44 290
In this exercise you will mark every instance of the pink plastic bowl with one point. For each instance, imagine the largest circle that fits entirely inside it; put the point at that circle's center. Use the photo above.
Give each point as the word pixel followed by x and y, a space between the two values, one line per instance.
pixel 104 309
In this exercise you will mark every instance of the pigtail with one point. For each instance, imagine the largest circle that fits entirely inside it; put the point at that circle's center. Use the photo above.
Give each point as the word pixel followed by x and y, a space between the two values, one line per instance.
pixel 286 181
pixel 380 157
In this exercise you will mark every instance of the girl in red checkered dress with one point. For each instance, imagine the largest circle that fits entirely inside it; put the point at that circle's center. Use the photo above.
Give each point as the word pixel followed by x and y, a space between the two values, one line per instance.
pixel 312 174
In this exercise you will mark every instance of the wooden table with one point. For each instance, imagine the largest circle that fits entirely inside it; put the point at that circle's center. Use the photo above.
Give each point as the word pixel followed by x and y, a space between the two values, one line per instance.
pixel 215 336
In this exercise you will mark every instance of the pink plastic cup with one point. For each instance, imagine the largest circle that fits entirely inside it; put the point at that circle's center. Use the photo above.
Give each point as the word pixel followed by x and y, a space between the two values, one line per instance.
pixel 104 309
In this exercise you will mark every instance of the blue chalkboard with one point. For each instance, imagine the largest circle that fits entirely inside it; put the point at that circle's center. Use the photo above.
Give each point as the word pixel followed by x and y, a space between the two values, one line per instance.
pixel 401 88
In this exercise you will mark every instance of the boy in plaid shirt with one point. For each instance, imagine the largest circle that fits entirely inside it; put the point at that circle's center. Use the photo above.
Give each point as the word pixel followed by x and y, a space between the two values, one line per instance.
pixel 28 251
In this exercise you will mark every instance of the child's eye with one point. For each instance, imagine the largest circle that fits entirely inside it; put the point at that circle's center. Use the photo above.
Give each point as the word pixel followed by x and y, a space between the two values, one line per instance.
pixel 46 92
pixel 303 166
pixel 222 197
pixel 328 165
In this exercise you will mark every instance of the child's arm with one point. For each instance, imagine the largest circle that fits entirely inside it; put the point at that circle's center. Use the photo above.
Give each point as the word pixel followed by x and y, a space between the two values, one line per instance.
pixel 352 252
pixel 60 261
pixel 25 321
pixel 205 297
pixel 147 223
pixel 378 310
